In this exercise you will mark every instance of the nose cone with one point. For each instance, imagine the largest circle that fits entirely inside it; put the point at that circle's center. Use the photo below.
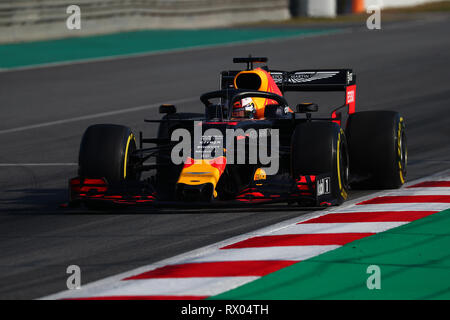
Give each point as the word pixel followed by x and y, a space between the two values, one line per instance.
pixel 198 179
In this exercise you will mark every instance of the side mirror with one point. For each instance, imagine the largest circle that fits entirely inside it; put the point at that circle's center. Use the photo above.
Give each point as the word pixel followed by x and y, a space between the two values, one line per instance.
pixel 273 111
pixel 307 107
pixel 167 109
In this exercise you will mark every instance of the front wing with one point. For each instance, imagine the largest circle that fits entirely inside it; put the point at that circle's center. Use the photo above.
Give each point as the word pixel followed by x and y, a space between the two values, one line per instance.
pixel 308 191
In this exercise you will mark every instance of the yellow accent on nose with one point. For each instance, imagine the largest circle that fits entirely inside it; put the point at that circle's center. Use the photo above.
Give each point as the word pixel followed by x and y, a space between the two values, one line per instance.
pixel 200 172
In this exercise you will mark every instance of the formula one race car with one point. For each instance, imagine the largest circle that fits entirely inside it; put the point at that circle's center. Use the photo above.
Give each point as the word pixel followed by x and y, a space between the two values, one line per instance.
pixel 250 146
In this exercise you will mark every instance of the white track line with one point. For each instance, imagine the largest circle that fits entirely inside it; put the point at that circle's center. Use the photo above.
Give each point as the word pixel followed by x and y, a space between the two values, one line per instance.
pixel 212 253
pixel 420 191
pixel 94 116
pixel 354 227
pixel 442 178
pixel 205 286
pixel 292 253
pixel 427 206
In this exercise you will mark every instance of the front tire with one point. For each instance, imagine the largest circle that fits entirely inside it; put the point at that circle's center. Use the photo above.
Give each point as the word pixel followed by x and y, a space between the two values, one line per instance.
pixel 105 152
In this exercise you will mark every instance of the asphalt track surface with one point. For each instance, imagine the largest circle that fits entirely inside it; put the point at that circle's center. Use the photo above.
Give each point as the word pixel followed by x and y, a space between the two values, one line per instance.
pixel 404 67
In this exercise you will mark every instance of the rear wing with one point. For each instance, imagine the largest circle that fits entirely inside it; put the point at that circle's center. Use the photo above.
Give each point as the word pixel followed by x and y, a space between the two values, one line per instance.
pixel 320 80
pixel 313 80
pixel 308 80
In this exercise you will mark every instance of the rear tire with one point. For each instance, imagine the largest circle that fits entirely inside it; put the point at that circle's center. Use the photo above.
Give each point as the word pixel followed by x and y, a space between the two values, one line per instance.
pixel 377 149
pixel 105 153
pixel 321 148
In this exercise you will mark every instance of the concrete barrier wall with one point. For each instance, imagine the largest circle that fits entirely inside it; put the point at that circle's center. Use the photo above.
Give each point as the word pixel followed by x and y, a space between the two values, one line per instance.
pixel 23 20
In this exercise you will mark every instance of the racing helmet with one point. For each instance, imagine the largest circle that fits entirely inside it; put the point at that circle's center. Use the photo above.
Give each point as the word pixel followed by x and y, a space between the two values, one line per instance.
pixel 244 109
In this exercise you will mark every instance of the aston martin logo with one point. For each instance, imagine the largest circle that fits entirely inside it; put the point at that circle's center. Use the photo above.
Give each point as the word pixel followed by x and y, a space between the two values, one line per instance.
pixel 307 76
